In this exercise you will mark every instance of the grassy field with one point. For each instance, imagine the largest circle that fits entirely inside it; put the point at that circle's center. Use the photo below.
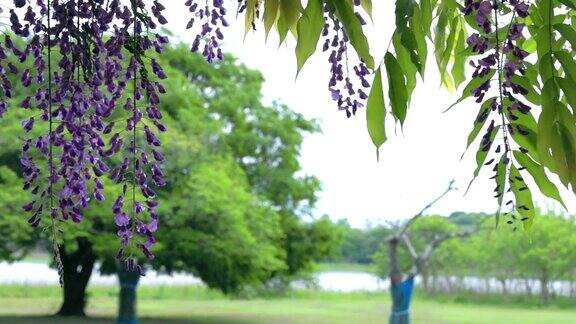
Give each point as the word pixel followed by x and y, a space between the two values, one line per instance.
pixel 25 304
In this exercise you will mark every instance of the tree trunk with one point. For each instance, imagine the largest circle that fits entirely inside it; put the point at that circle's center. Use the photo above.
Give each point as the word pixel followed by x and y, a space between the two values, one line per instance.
pixel 487 285
pixel 544 292
pixel 77 268
pixel 127 303
pixel 504 286
pixel 426 282
pixel 528 287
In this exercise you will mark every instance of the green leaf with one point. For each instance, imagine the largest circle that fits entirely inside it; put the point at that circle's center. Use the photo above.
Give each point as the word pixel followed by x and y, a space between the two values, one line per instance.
pixel 288 17
pixel 524 203
pixel 310 27
pixel 484 109
pixel 546 122
pixel 447 53
pixel 440 38
pixel 545 8
pixel 420 36
pixel 426 16
pixel 543 39
pixel 482 153
pixel 564 146
pixel 501 179
pixel 406 64
pixel 533 96
pixel 376 113
pixel 568 3
pixel 367 5
pixel 567 32
pixel 354 31
pixel 460 59
pixel 403 11
pixel 524 129
pixel 567 63
pixel 396 87
pixel 271 9
pixel 567 86
pixel 539 175
pixel 250 15
pixel 474 83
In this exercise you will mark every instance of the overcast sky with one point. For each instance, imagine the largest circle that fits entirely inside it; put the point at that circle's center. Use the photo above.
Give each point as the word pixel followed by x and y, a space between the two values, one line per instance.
pixel 416 163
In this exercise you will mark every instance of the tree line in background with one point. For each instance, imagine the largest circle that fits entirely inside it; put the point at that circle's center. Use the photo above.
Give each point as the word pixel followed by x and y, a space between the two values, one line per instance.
pixel 538 262
pixel 235 210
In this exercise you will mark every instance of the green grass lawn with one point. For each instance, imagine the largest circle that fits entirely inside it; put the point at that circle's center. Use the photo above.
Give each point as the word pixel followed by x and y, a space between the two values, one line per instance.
pixel 20 304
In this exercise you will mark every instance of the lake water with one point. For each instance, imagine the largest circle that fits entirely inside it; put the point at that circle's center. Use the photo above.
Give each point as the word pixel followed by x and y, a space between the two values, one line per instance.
pixel 42 274
pixel 38 273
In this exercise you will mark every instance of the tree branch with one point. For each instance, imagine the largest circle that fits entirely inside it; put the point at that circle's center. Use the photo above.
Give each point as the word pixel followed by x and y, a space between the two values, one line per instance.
pixel 439 239
pixel 404 228
pixel 411 248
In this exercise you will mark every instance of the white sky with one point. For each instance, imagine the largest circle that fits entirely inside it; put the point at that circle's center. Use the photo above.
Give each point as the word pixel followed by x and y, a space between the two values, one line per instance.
pixel 415 165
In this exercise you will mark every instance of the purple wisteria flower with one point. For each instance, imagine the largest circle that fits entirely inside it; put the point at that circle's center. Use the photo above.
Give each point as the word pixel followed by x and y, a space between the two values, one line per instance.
pixel 76 52
pixel 347 90
pixel 208 21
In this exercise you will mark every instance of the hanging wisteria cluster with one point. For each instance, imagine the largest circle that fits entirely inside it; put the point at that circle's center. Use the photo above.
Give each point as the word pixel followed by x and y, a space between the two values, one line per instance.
pixel 209 17
pixel 73 65
pixel 346 89
pixel 505 59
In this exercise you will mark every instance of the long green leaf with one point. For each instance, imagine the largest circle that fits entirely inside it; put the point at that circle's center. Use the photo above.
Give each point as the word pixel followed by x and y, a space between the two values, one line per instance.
pixel 288 17
pixel 406 64
pixel 250 15
pixel 481 155
pixel 546 122
pixel 270 14
pixel 460 58
pixel 310 27
pixel 426 16
pixel 539 175
pixel 479 122
pixel 396 87
pixel 567 32
pixel 474 83
pixel 376 113
pixel 524 203
pixel 354 31
pixel 567 63
pixel 564 146
pixel 567 86
pixel 533 96
pixel 568 3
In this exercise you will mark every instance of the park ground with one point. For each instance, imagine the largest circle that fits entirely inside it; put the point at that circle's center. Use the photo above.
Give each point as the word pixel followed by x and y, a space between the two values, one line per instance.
pixel 26 304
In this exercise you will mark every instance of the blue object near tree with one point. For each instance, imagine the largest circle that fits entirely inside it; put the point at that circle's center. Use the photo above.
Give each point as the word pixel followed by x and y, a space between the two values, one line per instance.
pixel 127 303
pixel 401 297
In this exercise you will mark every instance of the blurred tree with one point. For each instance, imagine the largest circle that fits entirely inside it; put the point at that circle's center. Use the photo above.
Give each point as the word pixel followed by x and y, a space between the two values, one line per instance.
pixel 359 245
pixel 265 142
pixel 548 254
pixel 15 233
